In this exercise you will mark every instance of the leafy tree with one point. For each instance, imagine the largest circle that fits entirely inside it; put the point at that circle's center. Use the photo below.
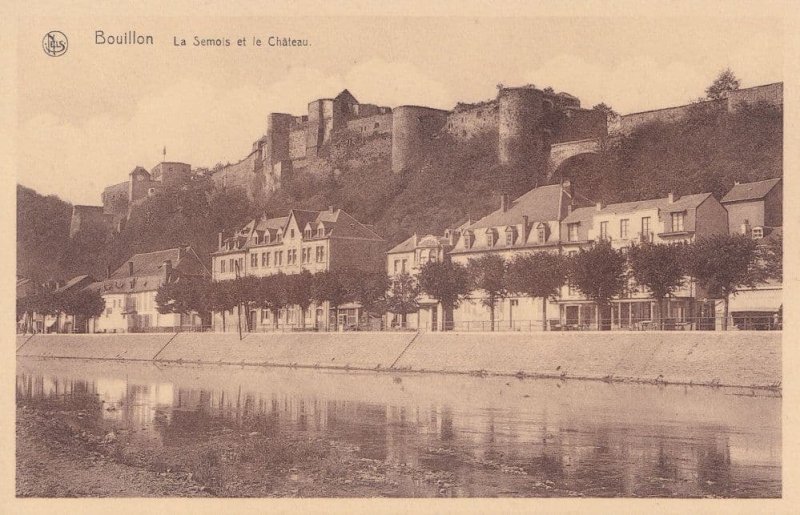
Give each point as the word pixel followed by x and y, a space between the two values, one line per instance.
pixel 366 288
pixel 402 296
pixel 538 275
pixel 660 269
pixel 185 296
pixel 447 282
pixel 221 298
pixel 726 81
pixel 83 304
pixel 328 288
pixel 770 257
pixel 600 274
pixel 274 292
pixel 488 273
pixel 606 109
pixel 299 292
pixel 722 264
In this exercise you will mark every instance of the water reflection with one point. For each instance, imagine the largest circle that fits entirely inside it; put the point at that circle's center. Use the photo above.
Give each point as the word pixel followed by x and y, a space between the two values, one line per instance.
pixel 492 436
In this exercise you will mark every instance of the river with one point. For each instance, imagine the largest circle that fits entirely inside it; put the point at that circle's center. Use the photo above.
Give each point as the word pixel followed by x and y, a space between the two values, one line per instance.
pixel 422 435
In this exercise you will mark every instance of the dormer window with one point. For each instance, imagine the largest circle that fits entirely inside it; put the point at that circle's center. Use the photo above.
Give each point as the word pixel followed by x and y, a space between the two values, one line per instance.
pixel 307 234
pixel 321 232
pixel 266 237
pixel 541 233
pixel 469 239
pixel 510 236
pixel 490 238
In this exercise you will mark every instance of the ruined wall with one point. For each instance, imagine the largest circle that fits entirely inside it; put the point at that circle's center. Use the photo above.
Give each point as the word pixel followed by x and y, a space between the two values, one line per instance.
pixel 412 126
pixel 468 122
pixel 241 175
pixel 580 124
pixel 297 143
pixel 769 93
pixel 369 125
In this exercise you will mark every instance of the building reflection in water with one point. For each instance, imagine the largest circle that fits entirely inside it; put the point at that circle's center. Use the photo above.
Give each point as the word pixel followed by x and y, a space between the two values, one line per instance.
pixel 596 457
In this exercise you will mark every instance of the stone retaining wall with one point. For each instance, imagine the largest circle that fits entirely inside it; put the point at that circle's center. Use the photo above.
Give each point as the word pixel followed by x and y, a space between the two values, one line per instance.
pixel 735 358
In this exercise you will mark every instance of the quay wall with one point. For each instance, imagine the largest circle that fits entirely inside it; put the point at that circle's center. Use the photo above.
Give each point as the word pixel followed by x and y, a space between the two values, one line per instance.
pixel 734 358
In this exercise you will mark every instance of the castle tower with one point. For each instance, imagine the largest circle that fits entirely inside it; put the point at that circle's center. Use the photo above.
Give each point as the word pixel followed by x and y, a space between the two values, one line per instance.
pixel 276 145
pixel 520 131
pixel 412 126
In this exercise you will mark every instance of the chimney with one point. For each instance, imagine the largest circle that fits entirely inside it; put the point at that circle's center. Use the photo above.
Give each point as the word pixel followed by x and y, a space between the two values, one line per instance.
pixel 736 183
pixel 167 269
pixel 745 228
pixel 130 268
pixel 330 209
pixel 599 206
pixel 219 241
pixel 108 271
pixel 504 202
pixel 414 240
pixel 671 197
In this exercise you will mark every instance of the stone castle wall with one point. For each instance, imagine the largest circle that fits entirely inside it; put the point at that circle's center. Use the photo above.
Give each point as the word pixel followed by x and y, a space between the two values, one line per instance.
pixel 466 123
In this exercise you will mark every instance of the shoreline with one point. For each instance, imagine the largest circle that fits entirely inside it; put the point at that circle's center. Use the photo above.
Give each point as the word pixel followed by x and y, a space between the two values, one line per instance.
pixel 728 360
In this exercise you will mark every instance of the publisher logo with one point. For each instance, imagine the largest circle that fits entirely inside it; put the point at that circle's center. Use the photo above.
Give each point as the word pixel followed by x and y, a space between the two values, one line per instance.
pixel 55 43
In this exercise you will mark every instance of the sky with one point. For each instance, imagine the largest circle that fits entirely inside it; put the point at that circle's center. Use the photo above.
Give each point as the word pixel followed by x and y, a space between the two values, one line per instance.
pixel 87 118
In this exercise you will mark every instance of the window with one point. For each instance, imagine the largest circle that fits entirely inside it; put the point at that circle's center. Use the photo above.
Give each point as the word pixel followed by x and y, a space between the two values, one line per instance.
pixel 377 125
pixel 321 232
pixel 468 239
pixel 320 254
pixel 758 232
pixel 267 254
pixel 677 222
pixel 509 237
pixel 541 233
pixel 308 234
pixel 291 233
pixel 572 232
pixel 646 228
pixel 241 264
pixel 396 265
pixel 623 228
pixel 254 260
pixel 222 266
pixel 403 266
pixel 278 257
pixel 263 259
pixel 603 230
pixel 490 238
pixel 231 266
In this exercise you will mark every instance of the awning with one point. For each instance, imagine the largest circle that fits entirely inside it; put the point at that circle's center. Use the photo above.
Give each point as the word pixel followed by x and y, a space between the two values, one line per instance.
pixel 757 300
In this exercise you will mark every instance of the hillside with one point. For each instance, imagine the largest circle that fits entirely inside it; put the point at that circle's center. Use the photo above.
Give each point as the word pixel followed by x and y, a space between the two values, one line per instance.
pixel 708 151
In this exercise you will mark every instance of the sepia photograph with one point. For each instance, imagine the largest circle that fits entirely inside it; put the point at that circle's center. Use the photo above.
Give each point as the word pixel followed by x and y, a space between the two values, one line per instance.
pixel 399 256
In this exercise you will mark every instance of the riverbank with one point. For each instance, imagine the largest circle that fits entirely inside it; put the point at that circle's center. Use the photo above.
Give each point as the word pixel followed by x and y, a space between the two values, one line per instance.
pixel 749 359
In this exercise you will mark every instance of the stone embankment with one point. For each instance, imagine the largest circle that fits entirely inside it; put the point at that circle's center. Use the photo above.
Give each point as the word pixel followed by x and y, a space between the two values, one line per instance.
pixel 735 358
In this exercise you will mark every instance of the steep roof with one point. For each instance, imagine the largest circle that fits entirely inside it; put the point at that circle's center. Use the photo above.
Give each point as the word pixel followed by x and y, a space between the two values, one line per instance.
pixel 750 190
pixel 543 203
pixel 147 264
pixel 663 204
pixel 406 246
pixel 346 96
pixel 148 271
pixel 77 281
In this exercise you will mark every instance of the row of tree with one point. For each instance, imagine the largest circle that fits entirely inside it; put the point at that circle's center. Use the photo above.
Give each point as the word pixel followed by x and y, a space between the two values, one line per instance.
pixel 274 293
pixel 81 304
pixel 719 264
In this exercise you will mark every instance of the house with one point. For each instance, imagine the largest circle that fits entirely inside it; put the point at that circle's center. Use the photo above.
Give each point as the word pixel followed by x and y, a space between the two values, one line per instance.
pixel 408 257
pixel 754 207
pixel 302 240
pixel 669 219
pixel 130 291
pixel 531 223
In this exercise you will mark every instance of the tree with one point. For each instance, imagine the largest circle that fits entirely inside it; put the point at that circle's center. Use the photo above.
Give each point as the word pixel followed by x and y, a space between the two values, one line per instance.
pixel 402 296
pixel 299 292
pixel 447 282
pixel 538 275
pixel 274 292
pixel 185 296
pixel 726 81
pixel 660 269
pixel 221 298
pixel 721 264
pixel 770 257
pixel 328 288
pixel 366 288
pixel 599 273
pixel 83 304
pixel 488 273
pixel 605 109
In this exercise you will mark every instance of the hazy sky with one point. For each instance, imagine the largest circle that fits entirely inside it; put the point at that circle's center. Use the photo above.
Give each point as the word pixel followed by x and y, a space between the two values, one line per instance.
pixel 89 117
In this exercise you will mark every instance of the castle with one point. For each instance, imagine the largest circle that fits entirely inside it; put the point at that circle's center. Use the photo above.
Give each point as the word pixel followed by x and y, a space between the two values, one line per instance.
pixel 526 121
pixel 531 126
